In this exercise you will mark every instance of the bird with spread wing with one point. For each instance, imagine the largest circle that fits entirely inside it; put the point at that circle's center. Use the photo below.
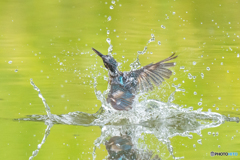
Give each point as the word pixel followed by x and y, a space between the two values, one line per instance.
pixel 125 85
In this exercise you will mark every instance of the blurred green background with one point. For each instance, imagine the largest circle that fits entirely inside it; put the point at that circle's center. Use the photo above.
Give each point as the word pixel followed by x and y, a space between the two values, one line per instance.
pixel 50 42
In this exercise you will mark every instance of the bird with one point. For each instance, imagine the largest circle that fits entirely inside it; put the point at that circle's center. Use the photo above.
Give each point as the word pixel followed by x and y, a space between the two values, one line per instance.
pixel 125 85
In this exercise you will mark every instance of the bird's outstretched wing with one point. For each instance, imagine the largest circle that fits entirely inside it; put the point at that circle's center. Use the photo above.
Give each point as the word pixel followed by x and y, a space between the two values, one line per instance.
pixel 144 78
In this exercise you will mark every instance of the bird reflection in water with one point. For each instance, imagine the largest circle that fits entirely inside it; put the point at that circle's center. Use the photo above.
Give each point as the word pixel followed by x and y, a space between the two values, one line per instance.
pixel 121 148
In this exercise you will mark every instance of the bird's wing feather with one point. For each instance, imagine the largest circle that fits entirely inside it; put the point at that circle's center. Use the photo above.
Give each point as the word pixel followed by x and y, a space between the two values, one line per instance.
pixel 144 78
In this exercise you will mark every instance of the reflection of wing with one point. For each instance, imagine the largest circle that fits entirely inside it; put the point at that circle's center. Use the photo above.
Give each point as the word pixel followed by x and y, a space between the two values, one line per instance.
pixel 145 77
pixel 120 97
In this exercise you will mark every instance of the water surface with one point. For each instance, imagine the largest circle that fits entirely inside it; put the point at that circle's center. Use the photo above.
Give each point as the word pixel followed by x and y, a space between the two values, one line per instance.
pixel 51 42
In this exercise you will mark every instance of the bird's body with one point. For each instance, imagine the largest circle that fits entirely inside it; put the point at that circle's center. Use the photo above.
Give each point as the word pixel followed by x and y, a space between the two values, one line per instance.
pixel 125 85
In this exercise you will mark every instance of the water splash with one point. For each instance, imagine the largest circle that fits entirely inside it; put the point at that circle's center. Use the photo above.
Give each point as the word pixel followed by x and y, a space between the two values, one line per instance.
pixel 47 108
pixel 47 132
pixel 152 39
pixel 136 64
pixel 152 117
pixel 162 120
pixel 110 48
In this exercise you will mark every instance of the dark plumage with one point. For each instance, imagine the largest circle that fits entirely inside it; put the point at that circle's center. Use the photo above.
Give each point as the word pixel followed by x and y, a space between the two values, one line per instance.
pixel 124 85
pixel 122 148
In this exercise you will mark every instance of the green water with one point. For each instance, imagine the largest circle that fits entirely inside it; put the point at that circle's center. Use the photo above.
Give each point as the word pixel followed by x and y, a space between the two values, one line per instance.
pixel 50 42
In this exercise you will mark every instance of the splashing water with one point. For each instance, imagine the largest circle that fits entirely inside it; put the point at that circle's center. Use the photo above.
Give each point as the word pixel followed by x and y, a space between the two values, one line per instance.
pixel 47 132
pixel 110 48
pixel 163 120
pixel 152 39
pixel 136 64
pixel 47 108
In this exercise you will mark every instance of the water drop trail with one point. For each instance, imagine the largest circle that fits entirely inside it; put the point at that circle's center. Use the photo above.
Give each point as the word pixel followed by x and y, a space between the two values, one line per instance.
pixel 47 132
pixel 47 108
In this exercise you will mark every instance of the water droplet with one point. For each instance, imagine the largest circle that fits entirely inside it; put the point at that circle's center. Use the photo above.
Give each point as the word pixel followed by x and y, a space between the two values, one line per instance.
pixel 113 2
pixel 173 13
pixel 9 62
pixel 182 67
pixel 208 68
pixel 108 40
pixel 109 18
pixel 190 136
pixel 194 145
pixel 105 78
pixel 238 55
pixel 162 26
pixel 194 63
pixel 111 7
pixel 219 146
pixel 195 93
pixel 189 76
pixel 219 98
pixel 108 31
pixel 39 146
pixel 152 39
pixel 199 103
pixel 199 141
pixel 209 133
pixel 159 43
pixel 16 70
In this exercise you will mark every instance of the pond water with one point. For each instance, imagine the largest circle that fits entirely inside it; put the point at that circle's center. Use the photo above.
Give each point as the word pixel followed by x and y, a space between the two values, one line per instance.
pixel 54 87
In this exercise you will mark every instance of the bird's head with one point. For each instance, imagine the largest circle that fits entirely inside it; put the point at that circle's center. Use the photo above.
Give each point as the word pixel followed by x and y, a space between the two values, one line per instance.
pixel 109 62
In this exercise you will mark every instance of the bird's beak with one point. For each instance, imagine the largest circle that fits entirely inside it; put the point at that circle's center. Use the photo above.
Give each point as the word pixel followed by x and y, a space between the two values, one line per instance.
pixel 98 53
